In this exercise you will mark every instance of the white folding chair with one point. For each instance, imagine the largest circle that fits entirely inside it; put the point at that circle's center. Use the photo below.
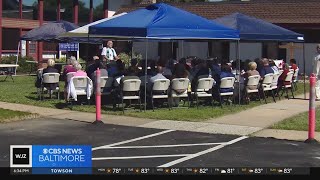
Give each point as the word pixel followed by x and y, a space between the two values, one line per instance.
pixel 50 78
pixel 179 88
pixel 253 81
pixel 295 78
pixel 274 84
pixel 280 72
pixel 39 81
pixel 203 89
pixel 266 85
pixel 160 85
pixel 226 83
pixel 288 84
pixel 130 86
pixel 106 85
pixel 69 76
pixel 82 86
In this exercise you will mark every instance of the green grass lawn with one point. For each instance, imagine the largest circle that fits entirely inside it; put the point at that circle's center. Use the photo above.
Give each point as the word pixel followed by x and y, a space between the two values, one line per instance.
pixel 299 122
pixel 23 91
pixel 8 115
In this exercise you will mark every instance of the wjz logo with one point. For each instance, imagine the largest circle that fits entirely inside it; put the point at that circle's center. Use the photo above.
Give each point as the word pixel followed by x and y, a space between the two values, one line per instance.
pixel 20 156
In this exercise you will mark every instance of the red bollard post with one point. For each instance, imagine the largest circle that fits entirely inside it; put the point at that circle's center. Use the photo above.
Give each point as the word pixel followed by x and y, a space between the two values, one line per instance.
pixel 98 98
pixel 312 110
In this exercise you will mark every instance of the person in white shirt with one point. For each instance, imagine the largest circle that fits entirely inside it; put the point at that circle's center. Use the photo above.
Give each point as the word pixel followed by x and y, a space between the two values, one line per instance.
pixel 108 53
pixel 159 75
pixel 316 71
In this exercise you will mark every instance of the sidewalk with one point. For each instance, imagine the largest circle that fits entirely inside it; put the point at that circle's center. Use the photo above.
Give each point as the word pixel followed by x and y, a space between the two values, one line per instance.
pixel 253 122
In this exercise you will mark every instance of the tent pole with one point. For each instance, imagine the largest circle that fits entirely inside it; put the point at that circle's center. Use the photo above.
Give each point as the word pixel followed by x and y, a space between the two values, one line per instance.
pixel 131 49
pixel 87 50
pixel 145 77
pixel 172 49
pixel 15 69
pixel 238 72
pixel 304 72
pixel 182 48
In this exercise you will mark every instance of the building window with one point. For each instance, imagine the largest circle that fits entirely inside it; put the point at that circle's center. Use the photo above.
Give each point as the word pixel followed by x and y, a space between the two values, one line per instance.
pixel 10 38
pixel 67 10
pixel 97 10
pixel 10 8
pixel 30 9
pixel 32 47
pixel 49 46
pixel 84 9
pixel 50 10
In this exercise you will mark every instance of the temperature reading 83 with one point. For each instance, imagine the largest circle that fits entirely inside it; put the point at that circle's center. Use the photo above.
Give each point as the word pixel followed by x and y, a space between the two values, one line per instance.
pixel 145 170
pixel 174 170
pixel 287 170
pixel 258 170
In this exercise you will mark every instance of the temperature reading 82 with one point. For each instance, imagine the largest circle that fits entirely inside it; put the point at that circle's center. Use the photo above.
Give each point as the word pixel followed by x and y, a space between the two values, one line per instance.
pixel 203 170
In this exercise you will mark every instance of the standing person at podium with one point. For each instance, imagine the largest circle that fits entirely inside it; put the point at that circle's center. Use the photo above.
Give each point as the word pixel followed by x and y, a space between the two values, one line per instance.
pixel 108 53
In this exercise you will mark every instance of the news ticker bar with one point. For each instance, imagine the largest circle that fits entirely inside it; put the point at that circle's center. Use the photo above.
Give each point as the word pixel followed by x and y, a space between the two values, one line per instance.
pixel 166 171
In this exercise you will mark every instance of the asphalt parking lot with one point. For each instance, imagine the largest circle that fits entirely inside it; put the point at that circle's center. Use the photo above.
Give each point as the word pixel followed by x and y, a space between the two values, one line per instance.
pixel 123 146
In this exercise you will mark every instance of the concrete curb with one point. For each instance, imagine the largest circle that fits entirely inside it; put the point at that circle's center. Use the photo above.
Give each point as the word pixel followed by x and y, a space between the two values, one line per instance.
pixel 285 134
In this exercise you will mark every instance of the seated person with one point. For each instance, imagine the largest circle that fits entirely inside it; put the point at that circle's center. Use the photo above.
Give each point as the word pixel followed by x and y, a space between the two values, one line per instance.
pixel 93 65
pixel 103 71
pixel 293 64
pixel 281 80
pixel 274 66
pixel 266 69
pixel 252 70
pixel 184 62
pixel 159 74
pixel 214 67
pixel 79 71
pixel 133 70
pixel 202 72
pixel 120 69
pixel 69 68
pixel 50 69
pixel 180 71
pixel 225 72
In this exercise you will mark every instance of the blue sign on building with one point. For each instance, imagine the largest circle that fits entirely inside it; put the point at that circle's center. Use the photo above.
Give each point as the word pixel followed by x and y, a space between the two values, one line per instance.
pixel 68 47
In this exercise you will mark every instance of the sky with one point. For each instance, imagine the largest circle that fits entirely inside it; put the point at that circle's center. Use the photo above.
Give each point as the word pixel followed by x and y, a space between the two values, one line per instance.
pixel 95 2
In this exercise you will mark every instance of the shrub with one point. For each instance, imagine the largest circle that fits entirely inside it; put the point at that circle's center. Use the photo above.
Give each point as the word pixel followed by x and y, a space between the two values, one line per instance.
pixel 126 58
pixel 22 62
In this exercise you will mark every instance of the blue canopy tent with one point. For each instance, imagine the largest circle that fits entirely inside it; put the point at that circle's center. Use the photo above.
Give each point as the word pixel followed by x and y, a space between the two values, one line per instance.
pixel 251 28
pixel 162 22
pixel 254 29
pixel 49 31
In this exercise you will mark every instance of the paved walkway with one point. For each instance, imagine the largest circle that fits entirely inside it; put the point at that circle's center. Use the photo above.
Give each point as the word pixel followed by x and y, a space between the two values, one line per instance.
pixel 254 121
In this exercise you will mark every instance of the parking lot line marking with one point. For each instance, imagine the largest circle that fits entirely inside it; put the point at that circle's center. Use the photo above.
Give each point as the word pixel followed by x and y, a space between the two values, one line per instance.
pixel 164 146
pixel 202 152
pixel 139 157
pixel 132 140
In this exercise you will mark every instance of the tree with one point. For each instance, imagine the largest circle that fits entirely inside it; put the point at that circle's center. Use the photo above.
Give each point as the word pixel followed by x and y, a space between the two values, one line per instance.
pixel 50 9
